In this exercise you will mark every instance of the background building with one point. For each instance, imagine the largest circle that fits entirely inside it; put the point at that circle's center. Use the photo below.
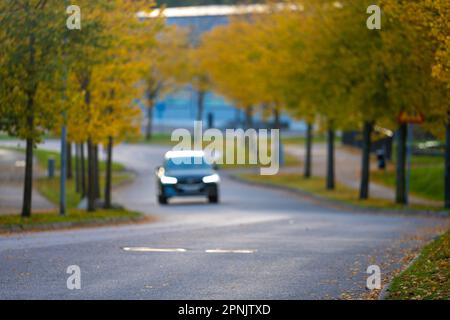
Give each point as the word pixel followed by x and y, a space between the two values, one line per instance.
pixel 179 109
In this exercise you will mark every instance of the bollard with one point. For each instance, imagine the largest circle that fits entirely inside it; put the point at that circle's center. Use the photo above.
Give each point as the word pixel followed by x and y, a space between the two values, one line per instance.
pixel 51 168
pixel 381 157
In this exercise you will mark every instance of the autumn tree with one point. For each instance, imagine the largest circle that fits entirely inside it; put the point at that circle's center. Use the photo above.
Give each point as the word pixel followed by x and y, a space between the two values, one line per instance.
pixel 115 45
pixel 116 81
pixel 31 36
pixel 86 49
pixel 431 20
pixel 227 53
pixel 358 70
pixel 288 34
pixel 182 66
pixel 159 78
pixel 410 57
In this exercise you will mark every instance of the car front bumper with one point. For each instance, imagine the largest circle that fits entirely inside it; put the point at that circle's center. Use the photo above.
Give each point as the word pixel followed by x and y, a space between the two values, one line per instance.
pixel 186 190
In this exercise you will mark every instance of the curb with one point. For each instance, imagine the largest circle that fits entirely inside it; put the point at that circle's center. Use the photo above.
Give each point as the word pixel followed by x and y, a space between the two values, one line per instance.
pixel 384 293
pixel 339 205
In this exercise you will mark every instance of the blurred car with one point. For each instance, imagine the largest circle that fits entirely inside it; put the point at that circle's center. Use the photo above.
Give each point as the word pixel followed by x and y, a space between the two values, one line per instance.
pixel 187 173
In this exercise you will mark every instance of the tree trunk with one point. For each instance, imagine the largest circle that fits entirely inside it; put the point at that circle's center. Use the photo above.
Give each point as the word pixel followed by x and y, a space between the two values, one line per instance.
pixel 276 120
pixel 63 173
pixel 82 171
pixel 149 128
pixel 91 178
pixel 87 184
pixel 210 120
pixel 249 117
pixel 308 155
pixel 330 158
pixel 96 173
pixel 237 117
pixel 365 164
pixel 401 196
pixel 69 161
pixel 28 185
pixel 77 169
pixel 200 104
pixel 108 174
pixel 447 163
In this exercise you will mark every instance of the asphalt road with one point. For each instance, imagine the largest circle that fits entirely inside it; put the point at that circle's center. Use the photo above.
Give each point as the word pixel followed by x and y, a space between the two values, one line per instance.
pixel 289 247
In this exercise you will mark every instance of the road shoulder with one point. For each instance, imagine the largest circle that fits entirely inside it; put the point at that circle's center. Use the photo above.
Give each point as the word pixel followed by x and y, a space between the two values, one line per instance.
pixel 51 221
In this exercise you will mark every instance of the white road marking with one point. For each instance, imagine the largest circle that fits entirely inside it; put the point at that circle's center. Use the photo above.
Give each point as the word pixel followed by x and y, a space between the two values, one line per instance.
pixel 146 249
pixel 229 251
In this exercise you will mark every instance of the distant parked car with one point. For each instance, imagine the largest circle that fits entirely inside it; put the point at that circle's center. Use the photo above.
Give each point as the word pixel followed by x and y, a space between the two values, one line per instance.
pixel 187 173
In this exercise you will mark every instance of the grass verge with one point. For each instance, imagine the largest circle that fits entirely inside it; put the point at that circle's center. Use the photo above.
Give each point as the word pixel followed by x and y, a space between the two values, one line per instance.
pixel 165 139
pixel 289 161
pixel 426 180
pixel 51 220
pixel 316 186
pixel 74 218
pixel 43 156
pixel 301 140
pixel 49 187
pixel 157 138
pixel 231 151
pixel 428 278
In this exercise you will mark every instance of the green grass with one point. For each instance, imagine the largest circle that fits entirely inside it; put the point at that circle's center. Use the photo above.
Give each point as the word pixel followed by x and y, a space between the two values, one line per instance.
pixel 165 139
pixel 428 277
pixel 426 180
pixel 43 156
pixel 316 186
pixel 49 187
pixel 300 140
pixel 4 136
pixel 157 138
pixel 289 161
pixel 73 216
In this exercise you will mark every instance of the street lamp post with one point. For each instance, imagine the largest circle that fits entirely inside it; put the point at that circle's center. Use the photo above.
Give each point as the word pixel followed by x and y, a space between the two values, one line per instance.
pixel 409 152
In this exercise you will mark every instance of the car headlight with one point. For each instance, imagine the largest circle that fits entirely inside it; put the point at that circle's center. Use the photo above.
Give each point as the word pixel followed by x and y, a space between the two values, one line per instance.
pixel 168 180
pixel 211 179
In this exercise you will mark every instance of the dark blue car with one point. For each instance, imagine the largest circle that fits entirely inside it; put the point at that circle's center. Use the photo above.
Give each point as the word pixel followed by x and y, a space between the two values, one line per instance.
pixel 187 173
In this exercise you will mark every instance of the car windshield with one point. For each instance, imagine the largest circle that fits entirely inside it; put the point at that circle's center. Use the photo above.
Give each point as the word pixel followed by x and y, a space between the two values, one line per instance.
pixel 187 163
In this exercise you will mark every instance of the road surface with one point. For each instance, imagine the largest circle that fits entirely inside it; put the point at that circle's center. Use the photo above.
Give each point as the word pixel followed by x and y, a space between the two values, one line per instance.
pixel 277 246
